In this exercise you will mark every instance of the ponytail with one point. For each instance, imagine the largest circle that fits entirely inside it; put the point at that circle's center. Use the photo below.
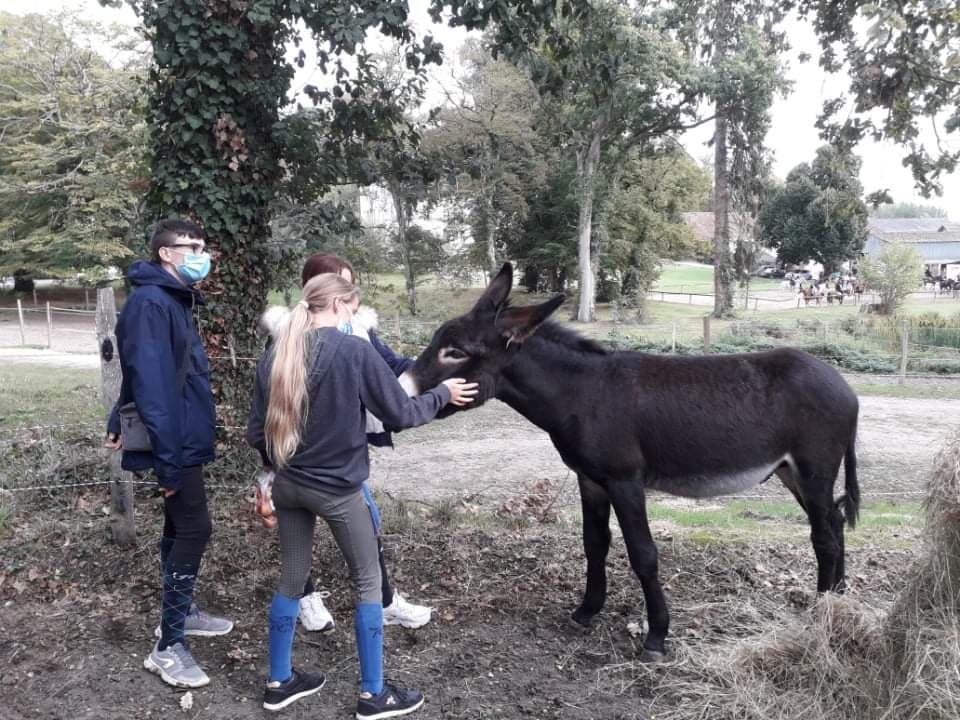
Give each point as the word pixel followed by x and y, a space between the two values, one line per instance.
pixel 288 404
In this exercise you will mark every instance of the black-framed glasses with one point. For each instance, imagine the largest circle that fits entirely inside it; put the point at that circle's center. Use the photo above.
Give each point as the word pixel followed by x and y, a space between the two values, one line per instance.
pixel 196 248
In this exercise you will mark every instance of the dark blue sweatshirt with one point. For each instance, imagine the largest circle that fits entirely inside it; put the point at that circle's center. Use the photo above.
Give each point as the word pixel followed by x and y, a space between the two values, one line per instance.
pixel 345 376
pixel 154 329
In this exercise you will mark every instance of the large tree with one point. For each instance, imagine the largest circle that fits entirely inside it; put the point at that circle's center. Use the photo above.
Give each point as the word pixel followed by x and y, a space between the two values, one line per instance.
pixel 220 150
pixel 742 44
pixel 658 184
pixel 614 78
pixel 72 147
pixel 492 155
pixel 819 213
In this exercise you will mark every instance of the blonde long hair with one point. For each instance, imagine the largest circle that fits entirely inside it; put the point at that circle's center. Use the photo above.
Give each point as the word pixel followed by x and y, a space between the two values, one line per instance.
pixel 287 408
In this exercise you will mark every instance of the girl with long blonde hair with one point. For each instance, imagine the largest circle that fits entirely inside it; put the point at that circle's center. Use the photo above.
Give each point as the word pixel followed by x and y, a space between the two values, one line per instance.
pixel 308 423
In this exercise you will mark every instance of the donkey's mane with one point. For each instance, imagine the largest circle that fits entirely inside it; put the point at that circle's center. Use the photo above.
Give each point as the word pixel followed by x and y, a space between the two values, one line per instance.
pixel 553 332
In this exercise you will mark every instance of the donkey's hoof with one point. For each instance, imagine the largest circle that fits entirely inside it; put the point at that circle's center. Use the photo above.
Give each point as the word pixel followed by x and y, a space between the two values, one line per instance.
pixel 581 619
pixel 652 657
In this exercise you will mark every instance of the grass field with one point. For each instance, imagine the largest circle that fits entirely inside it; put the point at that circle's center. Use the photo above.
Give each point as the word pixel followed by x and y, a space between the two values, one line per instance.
pixel 40 395
pixel 685 277
pixel 745 519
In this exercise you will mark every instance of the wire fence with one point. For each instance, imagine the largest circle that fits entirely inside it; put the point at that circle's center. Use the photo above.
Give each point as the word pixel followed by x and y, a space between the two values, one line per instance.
pixel 66 454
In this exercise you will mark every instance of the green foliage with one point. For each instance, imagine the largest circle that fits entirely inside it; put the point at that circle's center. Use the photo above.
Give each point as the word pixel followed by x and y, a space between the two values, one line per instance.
pixel 894 273
pixel 645 222
pixel 72 150
pixel 818 214
pixel 742 45
pixel 611 80
pixel 218 80
pixel 493 158
pixel 904 67
pixel 422 251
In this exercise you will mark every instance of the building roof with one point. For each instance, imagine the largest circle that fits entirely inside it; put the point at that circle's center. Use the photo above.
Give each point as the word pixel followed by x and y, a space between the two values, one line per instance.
pixel 914 230
pixel 703 224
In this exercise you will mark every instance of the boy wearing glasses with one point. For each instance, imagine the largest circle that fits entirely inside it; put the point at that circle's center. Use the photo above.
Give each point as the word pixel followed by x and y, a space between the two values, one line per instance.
pixel 166 386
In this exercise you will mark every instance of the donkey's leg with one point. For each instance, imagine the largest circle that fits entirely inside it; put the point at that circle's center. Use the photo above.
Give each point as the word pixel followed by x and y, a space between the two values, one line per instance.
pixel 629 503
pixel 826 533
pixel 839 568
pixel 815 486
pixel 596 543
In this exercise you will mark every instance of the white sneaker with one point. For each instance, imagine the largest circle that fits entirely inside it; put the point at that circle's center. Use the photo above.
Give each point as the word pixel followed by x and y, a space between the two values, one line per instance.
pixel 314 615
pixel 406 614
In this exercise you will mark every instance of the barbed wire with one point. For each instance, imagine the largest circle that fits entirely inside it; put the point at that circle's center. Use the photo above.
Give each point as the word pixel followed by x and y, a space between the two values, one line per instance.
pixel 463 493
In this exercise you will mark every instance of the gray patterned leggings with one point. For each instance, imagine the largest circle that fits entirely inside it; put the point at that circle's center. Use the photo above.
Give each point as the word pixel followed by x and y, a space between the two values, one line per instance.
pixel 348 517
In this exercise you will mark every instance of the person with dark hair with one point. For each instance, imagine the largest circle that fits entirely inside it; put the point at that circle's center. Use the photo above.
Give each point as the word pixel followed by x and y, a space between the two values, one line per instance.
pixel 165 421
pixel 314 614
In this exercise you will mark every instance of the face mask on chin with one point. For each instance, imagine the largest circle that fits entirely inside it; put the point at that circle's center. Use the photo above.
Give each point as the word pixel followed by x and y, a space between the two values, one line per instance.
pixel 346 326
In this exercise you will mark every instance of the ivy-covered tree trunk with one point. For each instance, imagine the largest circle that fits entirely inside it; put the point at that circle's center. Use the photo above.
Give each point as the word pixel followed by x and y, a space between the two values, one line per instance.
pixel 588 159
pixel 218 81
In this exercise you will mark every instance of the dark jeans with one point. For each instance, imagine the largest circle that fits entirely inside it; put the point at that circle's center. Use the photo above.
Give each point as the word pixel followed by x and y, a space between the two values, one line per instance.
pixel 186 520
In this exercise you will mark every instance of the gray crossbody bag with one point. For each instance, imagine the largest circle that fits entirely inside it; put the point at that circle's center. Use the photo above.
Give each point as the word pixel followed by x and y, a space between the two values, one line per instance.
pixel 132 430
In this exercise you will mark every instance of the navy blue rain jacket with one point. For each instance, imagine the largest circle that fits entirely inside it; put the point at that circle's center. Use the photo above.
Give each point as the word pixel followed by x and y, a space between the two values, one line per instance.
pixel 153 328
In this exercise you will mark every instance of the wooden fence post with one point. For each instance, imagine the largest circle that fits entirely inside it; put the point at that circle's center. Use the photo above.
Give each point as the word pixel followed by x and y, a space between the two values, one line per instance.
pixel 121 486
pixel 49 327
pixel 706 334
pixel 904 350
pixel 23 332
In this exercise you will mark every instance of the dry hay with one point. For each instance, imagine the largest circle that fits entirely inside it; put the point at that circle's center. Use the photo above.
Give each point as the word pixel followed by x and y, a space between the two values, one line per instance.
pixel 844 659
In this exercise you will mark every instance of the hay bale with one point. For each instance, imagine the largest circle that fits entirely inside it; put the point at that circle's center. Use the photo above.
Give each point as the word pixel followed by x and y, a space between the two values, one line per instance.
pixel 843 659
pixel 922 630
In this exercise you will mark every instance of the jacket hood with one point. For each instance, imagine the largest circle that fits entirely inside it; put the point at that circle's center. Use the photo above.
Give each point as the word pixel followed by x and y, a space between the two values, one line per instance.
pixel 147 273
pixel 365 319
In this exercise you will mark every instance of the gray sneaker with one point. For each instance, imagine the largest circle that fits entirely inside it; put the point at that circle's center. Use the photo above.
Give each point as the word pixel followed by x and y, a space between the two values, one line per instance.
pixel 176 667
pixel 203 624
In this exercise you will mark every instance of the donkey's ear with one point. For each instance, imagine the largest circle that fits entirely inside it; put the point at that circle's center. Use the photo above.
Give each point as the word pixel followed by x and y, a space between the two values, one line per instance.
pixel 518 323
pixel 497 291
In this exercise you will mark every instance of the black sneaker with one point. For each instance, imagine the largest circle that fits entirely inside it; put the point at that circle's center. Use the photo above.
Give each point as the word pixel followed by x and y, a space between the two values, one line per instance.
pixel 391 702
pixel 278 695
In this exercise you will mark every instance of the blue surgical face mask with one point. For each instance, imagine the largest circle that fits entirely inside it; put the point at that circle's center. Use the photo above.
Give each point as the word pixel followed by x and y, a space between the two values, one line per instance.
pixel 346 326
pixel 194 267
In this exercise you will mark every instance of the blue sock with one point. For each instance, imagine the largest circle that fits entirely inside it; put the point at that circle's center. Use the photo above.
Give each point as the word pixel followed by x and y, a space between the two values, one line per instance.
pixel 283 621
pixel 368 625
pixel 178 583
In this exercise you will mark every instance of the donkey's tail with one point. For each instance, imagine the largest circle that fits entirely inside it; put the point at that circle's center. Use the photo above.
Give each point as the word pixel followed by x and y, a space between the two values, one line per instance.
pixel 851 499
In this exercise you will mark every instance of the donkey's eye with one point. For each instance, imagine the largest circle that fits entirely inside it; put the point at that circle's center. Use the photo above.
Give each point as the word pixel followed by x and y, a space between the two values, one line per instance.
pixel 452 354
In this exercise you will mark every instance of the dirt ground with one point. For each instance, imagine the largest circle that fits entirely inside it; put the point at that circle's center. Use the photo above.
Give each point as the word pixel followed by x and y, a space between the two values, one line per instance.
pixel 76 613
pixel 77 616
pixel 73 332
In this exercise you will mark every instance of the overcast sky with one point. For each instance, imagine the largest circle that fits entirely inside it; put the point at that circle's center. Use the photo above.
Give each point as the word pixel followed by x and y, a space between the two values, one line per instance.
pixel 793 137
